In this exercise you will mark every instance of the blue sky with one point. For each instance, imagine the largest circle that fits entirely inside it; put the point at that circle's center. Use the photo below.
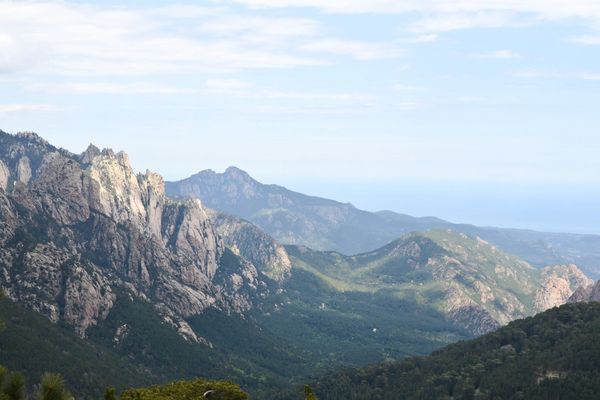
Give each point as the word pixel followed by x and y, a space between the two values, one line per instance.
pixel 422 107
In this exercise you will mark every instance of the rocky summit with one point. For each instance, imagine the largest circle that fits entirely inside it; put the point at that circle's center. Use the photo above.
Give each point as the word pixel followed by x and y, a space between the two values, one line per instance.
pixel 79 230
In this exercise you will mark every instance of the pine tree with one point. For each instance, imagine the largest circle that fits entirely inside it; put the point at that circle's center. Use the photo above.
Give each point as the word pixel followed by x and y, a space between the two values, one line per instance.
pixel 109 394
pixel 53 388
pixel 309 394
pixel 15 387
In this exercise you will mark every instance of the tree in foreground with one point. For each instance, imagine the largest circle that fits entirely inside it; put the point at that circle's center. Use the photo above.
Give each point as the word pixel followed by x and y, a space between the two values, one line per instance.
pixel 110 394
pixel 15 387
pixel 53 387
pixel 309 394
pixel 194 389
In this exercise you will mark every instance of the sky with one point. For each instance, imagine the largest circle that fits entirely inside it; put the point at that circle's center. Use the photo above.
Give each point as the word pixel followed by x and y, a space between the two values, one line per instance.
pixel 475 111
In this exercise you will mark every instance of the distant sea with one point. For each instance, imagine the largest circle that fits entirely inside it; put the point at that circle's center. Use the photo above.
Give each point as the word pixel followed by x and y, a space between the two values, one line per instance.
pixel 566 207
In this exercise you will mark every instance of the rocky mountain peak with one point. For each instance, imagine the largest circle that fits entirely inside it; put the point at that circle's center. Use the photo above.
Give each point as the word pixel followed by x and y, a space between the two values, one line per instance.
pixel 32 137
pixel 558 284
pixel 89 154
pixel 237 173
pixel 586 293
pixel 83 226
pixel 248 241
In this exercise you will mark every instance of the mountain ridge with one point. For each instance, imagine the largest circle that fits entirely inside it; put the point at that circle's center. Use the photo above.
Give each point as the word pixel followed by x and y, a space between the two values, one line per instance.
pixel 324 224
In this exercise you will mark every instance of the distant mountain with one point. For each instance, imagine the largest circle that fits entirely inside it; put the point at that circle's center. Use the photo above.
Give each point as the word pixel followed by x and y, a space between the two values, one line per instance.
pixel 554 355
pixel 295 218
pixel 473 283
pixel 322 224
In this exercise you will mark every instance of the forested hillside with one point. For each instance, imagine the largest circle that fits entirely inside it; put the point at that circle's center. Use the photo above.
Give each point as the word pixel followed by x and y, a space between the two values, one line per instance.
pixel 554 355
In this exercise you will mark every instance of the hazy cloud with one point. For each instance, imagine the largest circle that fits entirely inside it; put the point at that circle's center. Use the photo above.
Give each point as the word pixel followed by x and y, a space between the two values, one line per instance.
pixel 356 49
pixel 66 39
pixel 110 88
pixel 586 39
pixel 536 73
pixel 8 108
pixel 498 54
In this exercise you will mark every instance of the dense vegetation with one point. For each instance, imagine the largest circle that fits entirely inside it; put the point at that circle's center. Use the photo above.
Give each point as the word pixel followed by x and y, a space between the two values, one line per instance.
pixel 53 387
pixel 194 389
pixel 304 332
pixel 554 355
pixel 31 344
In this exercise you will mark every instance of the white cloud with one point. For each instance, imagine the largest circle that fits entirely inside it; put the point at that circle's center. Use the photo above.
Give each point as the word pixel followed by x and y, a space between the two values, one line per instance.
pixel 498 54
pixel 261 29
pixel 240 88
pixel 444 15
pixel 111 88
pixel 57 38
pixel 399 87
pixel 312 110
pixel 409 105
pixel 446 22
pixel 589 76
pixel 356 49
pixel 424 38
pixel 9 108
pixel 227 84
pixel 185 11
pixel 586 39
pixel 333 96
pixel 549 9
pixel 578 75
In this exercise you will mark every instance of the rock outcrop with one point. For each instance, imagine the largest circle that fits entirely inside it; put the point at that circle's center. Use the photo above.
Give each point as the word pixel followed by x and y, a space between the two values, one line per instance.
pixel 558 284
pixel 75 228
pixel 586 293
pixel 248 241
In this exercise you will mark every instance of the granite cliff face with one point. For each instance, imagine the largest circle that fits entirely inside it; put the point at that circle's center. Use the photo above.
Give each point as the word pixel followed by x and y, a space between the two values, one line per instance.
pixel 558 284
pixel 251 243
pixel 586 293
pixel 77 229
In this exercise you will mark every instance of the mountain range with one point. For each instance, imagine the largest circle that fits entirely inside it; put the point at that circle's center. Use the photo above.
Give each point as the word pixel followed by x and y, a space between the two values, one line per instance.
pixel 102 269
pixel 323 224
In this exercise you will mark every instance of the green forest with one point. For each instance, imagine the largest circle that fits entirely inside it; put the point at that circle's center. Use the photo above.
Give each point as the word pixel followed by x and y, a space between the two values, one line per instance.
pixel 552 356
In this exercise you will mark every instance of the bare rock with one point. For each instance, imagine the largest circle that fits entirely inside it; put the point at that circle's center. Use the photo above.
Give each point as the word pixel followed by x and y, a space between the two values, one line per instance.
pixel 82 225
pixel 581 294
pixel 4 175
pixel 88 298
pixel 24 170
pixel 59 191
pixel 558 283
pixel 248 241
